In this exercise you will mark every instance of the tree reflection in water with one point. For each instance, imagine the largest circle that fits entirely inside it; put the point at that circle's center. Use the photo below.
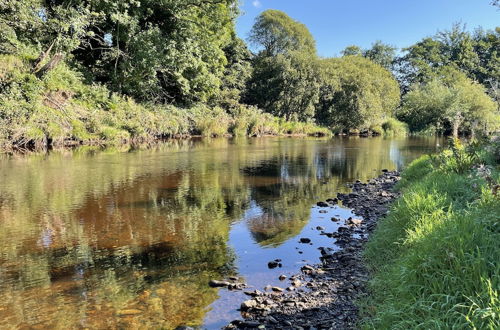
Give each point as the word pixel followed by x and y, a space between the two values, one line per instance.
pixel 130 238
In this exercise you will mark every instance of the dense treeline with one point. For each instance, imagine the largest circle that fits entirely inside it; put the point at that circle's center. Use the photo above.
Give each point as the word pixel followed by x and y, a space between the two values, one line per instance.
pixel 99 70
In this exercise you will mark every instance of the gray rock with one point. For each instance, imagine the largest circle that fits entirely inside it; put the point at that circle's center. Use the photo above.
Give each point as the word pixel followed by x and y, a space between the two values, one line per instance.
pixel 246 305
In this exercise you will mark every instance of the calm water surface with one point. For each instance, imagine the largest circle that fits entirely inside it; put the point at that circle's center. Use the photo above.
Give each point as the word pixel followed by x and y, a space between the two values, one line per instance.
pixel 107 239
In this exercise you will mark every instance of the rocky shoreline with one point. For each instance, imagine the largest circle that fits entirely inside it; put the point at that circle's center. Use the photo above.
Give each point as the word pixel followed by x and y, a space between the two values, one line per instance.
pixel 322 296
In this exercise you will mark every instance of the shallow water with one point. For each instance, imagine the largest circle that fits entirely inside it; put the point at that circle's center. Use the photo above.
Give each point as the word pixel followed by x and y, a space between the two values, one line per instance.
pixel 108 239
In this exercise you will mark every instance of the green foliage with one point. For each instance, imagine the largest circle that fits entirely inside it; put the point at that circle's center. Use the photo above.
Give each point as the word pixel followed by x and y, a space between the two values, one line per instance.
pixel 435 257
pixel 451 100
pixel 476 54
pixel 277 33
pixel 394 127
pixel 381 53
pixel 285 85
pixel 60 109
pixel 355 93
pixel 352 50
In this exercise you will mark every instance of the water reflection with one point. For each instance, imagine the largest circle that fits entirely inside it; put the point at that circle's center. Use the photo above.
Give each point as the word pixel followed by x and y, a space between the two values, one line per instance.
pixel 130 239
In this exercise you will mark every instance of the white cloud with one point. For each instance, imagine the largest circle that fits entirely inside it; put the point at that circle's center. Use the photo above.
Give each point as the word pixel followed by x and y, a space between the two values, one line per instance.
pixel 257 3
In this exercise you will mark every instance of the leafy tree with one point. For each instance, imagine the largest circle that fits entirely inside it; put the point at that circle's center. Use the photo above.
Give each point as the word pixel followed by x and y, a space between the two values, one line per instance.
pixel 476 54
pixel 284 80
pixel 356 93
pixel 352 50
pixel 237 73
pixel 285 85
pixel 51 27
pixel 276 33
pixel 450 100
pixel 381 53
pixel 168 51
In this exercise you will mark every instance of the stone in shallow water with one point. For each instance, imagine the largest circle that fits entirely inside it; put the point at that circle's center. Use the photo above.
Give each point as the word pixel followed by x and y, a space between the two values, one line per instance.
pixel 305 240
pixel 218 284
pixel 248 304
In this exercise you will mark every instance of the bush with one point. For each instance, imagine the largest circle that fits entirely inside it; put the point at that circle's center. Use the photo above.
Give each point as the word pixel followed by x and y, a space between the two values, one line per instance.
pixel 394 127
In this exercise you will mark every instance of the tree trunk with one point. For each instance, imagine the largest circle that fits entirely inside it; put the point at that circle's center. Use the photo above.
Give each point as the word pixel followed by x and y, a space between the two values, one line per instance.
pixel 456 124
pixel 473 130
pixel 51 64
pixel 41 58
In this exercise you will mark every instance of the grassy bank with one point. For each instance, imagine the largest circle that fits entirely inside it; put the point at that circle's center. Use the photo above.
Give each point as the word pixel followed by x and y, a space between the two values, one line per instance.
pixel 61 109
pixel 436 257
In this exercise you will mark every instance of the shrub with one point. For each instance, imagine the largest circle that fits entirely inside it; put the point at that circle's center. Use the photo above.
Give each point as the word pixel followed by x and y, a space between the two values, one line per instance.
pixel 394 127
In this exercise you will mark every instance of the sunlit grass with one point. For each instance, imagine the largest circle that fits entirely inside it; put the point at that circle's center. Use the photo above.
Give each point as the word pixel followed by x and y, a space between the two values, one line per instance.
pixel 435 257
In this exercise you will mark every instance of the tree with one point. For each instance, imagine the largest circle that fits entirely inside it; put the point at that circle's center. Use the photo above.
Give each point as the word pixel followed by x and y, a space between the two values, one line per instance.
pixel 53 28
pixel 382 54
pixel 285 85
pixel 477 55
pixel 166 51
pixel 236 75
pixel 449 100
pixel 352 50
pixel 356 93
pixel 276 33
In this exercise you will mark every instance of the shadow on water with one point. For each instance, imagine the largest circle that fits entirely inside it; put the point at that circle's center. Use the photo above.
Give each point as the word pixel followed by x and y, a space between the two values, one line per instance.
pixel 130 238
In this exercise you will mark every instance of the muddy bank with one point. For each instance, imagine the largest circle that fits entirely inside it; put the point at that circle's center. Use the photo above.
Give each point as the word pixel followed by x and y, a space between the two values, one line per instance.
pixel 322 296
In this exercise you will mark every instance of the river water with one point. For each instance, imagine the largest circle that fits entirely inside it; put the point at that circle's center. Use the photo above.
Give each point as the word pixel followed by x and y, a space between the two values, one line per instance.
pixel 129 239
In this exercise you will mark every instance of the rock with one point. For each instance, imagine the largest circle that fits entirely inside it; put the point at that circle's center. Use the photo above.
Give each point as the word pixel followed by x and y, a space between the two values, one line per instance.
pixel 322 204
pixel 355 222
pixel 247 304
pixel 272 320
pixel 255 293
pixel 305 240
pixel 233 278
pixel 218 284
pixel 332 200
pixel 323 211
pixel 249 324
pixel 306 267
pixel 272 264
pixel 320 228
pixel 296 283
pixel 277 289
pixel 385 170
pixel 282 277
pixel 335 219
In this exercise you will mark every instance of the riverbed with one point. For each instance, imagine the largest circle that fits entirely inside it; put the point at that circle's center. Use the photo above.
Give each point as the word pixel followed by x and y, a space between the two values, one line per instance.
pixel 93 238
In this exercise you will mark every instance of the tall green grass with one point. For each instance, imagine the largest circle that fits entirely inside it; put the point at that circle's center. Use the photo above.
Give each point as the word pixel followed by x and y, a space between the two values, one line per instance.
pixel 436 257
pixel 62 109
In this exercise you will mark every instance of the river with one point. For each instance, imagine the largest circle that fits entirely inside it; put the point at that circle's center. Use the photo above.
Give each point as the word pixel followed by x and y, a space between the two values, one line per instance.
pixel 130 238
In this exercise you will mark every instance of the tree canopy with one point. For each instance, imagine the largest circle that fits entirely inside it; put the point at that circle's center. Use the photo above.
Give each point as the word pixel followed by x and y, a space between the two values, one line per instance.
pixel 450 101
pixel 356 93
pixel 276 33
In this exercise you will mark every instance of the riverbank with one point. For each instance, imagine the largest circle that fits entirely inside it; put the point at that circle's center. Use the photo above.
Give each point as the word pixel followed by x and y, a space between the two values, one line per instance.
pixel 62 109
pixel 323 296
pixel 433 260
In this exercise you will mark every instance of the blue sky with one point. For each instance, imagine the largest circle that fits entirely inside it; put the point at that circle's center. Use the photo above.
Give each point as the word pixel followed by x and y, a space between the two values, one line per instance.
pixel 336 24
